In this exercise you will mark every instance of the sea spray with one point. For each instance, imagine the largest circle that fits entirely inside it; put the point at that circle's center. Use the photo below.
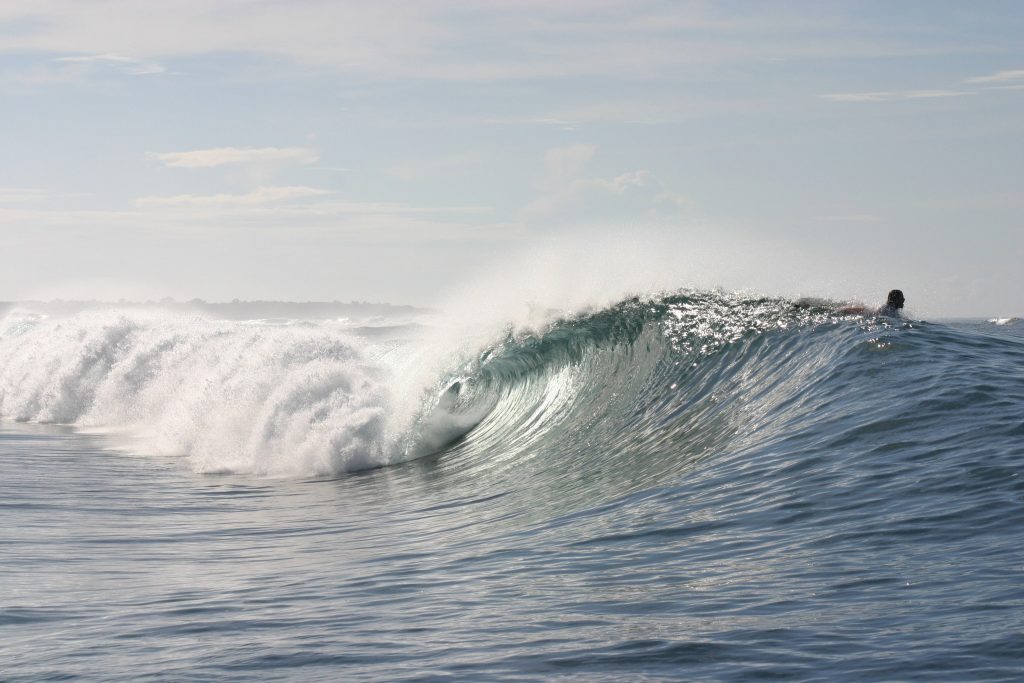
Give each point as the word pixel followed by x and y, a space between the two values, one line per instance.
pixel 260 398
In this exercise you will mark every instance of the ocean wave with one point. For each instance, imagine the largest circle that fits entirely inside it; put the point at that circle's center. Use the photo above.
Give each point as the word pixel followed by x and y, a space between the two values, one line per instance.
pixel 649 384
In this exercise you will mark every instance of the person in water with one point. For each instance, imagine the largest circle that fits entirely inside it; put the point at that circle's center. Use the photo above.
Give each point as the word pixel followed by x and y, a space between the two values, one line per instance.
pixel 893 304
pixel 891 308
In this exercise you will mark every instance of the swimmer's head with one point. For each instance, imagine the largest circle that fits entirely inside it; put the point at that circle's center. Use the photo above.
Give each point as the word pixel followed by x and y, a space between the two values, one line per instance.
pixel 895 299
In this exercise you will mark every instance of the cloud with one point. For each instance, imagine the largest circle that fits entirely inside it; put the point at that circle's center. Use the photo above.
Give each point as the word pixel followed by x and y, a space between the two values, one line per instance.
pixel 235 156
pixel 577 190
pixel 1011 79
pixel 11 195
pixel 999 77
pixel 263 195
pixel 674 200
pixel 616 185
pixel 562 164
pixel 566 187
pixel 337 207
pixel 279 211
pixel 130 65
pixel 290 202
pixel 658 108
pixel 434 39
pixel 570 193
pixel 888 96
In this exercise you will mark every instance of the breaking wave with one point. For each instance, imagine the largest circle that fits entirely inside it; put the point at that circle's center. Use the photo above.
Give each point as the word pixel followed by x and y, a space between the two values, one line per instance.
pixel 652 383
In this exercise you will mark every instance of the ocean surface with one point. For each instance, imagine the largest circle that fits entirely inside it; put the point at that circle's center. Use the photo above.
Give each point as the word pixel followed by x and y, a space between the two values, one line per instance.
pixel 689 486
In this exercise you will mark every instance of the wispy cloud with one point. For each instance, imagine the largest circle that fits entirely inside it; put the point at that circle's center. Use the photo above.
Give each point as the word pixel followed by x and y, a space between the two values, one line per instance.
pixel 260 196
pixel 235 156
pixel 563 164
pixel 891 95
pixel 577 189
pixel 295 201
pixel 571 191
pixel 1001 80
pixel 11 195
pixel 565 185
pixel 659 108
pixel 130 65
pixel 431 38
pixel 286 211
pixel 998 77
pixel 348 207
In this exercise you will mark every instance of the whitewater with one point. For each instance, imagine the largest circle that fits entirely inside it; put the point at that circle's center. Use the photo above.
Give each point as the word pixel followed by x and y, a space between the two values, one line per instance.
pixel 691 484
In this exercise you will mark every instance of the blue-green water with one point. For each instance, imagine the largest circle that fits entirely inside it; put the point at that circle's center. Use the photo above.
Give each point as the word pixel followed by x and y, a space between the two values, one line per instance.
pixel 695 486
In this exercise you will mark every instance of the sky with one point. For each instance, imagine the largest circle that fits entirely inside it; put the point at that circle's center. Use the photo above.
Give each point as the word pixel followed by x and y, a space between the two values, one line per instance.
pixel 397 151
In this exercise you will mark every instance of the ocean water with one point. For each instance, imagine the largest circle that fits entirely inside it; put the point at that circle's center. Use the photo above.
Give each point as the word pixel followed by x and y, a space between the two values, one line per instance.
pixel 695 486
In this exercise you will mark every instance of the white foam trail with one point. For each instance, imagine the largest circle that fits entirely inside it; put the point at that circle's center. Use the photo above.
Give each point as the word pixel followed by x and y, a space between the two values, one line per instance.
pixel 291 400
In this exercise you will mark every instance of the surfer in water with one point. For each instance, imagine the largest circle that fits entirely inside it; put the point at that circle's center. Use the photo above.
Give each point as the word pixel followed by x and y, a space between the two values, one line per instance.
pixel 891 308
pixel 893 304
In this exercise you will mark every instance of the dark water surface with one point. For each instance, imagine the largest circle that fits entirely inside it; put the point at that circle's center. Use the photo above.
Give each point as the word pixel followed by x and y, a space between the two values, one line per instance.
pixel 653 495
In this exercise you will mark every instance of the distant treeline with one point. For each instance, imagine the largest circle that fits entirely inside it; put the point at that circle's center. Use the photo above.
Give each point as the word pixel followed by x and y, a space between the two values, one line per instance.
pixel 234 310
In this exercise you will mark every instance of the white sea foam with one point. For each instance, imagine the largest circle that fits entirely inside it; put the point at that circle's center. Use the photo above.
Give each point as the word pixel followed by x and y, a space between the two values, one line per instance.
pixel 293 400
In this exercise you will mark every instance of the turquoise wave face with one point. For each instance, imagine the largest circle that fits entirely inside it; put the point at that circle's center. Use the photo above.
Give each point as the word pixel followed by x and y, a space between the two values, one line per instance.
pixel 620 399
